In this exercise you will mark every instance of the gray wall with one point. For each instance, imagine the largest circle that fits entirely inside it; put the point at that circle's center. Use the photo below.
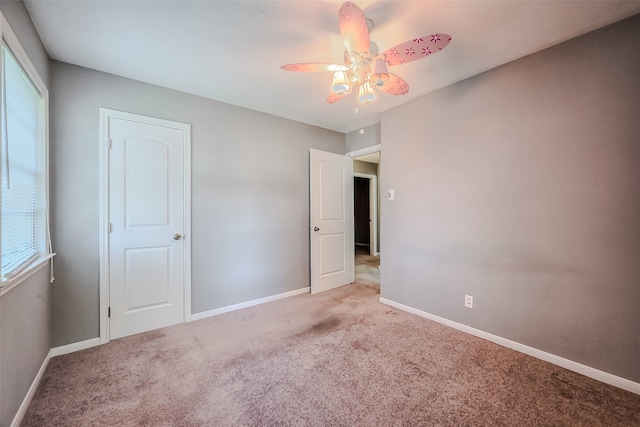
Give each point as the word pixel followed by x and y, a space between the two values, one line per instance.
pixel 24 310
pixel 525 193
pixel 24 340
pixel 371 136
pixel 250 195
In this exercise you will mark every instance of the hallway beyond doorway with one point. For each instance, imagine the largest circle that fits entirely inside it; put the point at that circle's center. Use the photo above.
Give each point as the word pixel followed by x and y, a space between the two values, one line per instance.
pixel 366 267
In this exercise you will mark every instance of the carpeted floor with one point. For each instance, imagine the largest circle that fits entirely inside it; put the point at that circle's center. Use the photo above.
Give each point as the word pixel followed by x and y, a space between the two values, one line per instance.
pixel 339 358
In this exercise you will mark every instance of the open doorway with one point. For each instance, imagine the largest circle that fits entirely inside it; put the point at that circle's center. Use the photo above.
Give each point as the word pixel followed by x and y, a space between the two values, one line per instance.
pixel 362 214
pixel 365 210
pixel 366 215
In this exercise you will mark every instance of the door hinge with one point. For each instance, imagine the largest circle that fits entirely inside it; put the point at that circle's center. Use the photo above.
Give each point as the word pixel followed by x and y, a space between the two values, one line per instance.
pixel 109 312
pixel 110 228
pixel 110 144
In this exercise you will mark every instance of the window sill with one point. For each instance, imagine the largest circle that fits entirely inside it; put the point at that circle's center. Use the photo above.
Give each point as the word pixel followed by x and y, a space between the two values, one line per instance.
pixel 35 266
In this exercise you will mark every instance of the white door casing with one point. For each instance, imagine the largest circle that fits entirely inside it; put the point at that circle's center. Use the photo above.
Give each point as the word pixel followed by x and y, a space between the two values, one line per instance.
pixel 332 239
pixel 373 211
pixel 145 257
pixel 364 152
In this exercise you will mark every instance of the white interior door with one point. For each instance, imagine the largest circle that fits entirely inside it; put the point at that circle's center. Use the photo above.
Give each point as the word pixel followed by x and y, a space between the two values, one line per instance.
pixel 332 235
pixel 147 216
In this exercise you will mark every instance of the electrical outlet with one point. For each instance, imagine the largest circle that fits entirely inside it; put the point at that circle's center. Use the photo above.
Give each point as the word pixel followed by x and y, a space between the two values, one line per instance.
pixel 468 301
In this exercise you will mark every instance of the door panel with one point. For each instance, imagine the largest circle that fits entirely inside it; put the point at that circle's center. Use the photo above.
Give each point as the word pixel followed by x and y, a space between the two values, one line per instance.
pixel 146 210
pixel 145 266
pixel 332 247
pixel 331 175
pixel 146 188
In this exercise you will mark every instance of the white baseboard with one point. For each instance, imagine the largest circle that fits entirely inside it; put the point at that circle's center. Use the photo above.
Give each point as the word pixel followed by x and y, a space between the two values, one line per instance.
pixel 585 370
pixel 217 311
pixel 17 419
pixel 76 346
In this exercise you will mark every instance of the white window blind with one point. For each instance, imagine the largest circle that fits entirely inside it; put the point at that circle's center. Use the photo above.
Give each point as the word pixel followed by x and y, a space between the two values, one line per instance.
pixel 22 166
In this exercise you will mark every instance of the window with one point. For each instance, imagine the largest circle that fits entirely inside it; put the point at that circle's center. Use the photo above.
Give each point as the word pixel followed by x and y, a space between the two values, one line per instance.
pixel 23 162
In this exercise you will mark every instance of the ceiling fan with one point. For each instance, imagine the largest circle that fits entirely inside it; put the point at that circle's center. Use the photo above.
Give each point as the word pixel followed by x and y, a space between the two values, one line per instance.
pixel 364 67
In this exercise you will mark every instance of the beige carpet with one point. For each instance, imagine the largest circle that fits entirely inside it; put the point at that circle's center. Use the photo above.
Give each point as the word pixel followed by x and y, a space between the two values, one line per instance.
pixel 335 359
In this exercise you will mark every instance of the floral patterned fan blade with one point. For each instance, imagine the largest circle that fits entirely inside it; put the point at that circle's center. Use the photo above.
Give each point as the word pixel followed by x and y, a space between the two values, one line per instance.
pixel 415 49
pixel 361 61
pixel 395 85
pixel 353 28
pixel 314 67
pixel 335 97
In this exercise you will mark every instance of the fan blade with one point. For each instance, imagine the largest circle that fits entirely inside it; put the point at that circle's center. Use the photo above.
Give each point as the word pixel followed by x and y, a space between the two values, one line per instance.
pixel 415 49
pixel 395 85
pixel 353 28
pixel 335 97
pixel 314 67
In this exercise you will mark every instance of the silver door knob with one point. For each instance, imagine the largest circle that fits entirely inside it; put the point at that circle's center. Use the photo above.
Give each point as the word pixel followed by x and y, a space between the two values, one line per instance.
pixel 177 236
pixel 316 229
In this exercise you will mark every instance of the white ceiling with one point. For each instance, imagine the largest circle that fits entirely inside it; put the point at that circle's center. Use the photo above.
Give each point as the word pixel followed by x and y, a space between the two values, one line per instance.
pixel 232 51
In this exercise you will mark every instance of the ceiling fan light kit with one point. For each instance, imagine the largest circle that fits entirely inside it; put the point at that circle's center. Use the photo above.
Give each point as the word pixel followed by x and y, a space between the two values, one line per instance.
pixel 365 93
pixel 380 72
pixel 364 69
pixel 340 83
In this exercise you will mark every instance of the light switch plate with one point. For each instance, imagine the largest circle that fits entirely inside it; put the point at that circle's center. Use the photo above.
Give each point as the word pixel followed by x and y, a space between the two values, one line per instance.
pixel 391 194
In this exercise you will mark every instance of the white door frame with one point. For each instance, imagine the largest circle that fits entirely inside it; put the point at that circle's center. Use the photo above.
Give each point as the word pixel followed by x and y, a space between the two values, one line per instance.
pixel 373 210
pixel 105 116
pixel 363 152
